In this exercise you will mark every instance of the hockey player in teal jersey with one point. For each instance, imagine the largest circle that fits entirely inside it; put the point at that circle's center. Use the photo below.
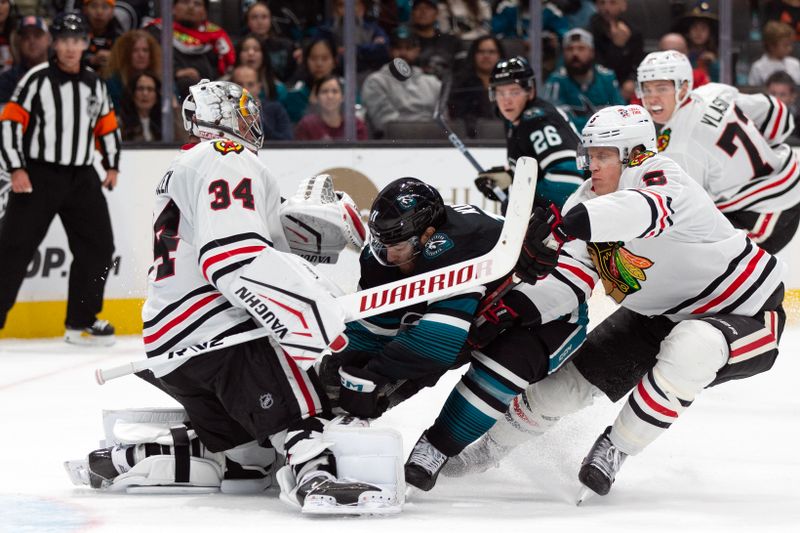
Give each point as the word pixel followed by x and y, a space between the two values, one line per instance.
pixel 534 128
pixel 412 232
pixel 392 356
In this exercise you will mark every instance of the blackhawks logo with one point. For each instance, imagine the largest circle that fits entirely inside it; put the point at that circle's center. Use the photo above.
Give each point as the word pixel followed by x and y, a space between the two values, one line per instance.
pixel 663 139
pixel 226 147
pixel 641 158
pixel 620 270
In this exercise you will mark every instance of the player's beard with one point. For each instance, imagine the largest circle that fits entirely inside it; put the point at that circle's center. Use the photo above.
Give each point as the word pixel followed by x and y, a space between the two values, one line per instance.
pixel 576 68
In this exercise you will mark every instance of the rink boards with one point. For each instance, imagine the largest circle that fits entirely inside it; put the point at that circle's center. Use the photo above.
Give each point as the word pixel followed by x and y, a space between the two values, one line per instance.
pixel 361 172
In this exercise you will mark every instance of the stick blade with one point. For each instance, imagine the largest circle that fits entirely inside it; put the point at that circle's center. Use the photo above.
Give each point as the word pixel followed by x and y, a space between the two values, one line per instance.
pixel 520 203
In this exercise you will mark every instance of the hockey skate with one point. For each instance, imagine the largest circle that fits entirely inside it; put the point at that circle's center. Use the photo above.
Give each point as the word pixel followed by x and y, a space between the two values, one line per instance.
pixel 482 455
pixel 97 470
pixel 319 492
pixel 101 333
pixel 600 467
pixel 424 464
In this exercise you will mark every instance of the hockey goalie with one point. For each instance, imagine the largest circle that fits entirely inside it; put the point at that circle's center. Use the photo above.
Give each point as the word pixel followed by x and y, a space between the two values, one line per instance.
pixel 223 264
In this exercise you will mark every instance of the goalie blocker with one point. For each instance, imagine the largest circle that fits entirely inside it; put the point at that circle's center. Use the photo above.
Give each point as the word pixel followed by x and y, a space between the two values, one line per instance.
pixel 320 222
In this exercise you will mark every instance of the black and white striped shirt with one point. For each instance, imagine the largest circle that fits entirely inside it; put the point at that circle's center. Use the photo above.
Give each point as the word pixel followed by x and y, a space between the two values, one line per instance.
pixel 59 118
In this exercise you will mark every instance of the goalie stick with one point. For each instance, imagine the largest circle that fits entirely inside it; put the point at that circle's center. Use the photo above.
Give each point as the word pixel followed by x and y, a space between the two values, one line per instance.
pixel 455 140
pixel 437 284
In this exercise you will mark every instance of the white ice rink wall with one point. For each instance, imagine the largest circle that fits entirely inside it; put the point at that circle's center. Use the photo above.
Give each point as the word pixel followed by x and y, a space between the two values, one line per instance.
pixel 361 172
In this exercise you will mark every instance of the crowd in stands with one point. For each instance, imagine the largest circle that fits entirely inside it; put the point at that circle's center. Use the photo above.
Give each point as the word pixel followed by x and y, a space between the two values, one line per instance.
pixel 291 55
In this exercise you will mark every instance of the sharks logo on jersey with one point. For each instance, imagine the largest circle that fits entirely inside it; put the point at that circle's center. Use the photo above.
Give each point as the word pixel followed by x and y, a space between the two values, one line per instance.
pixel 438 244
pixel 620 270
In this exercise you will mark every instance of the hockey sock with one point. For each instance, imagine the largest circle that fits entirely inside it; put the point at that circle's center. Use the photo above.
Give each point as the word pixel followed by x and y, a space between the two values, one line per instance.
pixel 650 410
pixel 478 401
pixel 688 360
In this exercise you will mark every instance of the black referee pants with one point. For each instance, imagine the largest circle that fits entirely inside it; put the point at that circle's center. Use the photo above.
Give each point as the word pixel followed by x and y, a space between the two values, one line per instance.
pixel 75 195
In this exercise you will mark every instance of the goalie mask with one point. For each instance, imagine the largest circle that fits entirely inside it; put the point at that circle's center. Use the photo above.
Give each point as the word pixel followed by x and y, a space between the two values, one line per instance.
pixel 223 110
pixel 400 214
pixel 621 127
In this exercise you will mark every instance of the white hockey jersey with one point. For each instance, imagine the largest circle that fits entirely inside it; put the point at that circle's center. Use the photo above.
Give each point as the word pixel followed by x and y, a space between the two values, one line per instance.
pixel 660 247
pixel 217 208
pixel 732 144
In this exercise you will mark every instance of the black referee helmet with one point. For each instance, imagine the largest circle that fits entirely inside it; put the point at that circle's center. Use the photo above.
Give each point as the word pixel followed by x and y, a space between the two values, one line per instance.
pixel 69 24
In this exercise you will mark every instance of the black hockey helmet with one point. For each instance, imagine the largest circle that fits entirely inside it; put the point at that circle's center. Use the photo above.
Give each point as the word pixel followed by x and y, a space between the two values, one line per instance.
pixel 514 70
pixel 402 212
pixel 69 24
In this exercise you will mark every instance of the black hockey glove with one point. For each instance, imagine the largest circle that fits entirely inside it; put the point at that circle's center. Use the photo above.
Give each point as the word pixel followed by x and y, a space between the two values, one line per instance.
pixel 489 179
pixel 542 245
pixel 359 392
pixel 492 322
pixel 328 370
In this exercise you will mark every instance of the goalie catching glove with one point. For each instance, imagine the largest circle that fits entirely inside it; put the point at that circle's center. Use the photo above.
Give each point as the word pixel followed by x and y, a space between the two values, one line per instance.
pixel 319 222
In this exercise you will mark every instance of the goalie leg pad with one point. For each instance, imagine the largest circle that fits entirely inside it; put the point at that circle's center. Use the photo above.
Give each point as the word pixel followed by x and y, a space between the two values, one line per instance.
pixel 369 467
pixel 367 463
pixel 152 451
pixel 156 458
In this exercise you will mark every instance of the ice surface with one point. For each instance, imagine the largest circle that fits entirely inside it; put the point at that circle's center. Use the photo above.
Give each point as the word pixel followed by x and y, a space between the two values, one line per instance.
pixel 729 464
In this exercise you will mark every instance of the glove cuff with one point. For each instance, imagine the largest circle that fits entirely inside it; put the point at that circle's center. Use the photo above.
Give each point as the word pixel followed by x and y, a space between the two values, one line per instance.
pixel 355 383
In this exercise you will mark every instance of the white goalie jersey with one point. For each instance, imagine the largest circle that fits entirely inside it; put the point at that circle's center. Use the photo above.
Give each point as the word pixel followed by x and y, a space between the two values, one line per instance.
pixel 659 247
pixel 732 144
pixel 221 258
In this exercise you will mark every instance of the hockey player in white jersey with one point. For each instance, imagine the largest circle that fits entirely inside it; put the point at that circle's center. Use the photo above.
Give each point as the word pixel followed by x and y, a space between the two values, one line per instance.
pixel 222 265
pixel 731 143
pixel 700 303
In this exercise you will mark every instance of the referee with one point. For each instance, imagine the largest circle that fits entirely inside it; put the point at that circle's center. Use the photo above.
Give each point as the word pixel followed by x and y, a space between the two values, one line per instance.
pixel 59 113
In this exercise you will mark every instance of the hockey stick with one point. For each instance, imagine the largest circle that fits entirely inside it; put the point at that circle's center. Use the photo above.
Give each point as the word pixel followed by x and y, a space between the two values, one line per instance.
pixel 438 116
pixel 436 284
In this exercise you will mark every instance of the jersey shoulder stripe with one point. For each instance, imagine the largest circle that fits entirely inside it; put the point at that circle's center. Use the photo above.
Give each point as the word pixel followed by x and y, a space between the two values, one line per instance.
pixel 654 213
pixel 232 239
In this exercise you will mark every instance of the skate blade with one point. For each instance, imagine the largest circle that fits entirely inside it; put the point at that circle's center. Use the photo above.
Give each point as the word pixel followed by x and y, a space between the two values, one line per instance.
pixel 82 339
pixel 169 489
pixel 322 505
pixel 78 472
pixel 584 495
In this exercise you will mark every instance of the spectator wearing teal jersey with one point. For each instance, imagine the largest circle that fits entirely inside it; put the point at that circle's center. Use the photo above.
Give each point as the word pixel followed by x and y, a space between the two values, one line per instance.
pixel 581 87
